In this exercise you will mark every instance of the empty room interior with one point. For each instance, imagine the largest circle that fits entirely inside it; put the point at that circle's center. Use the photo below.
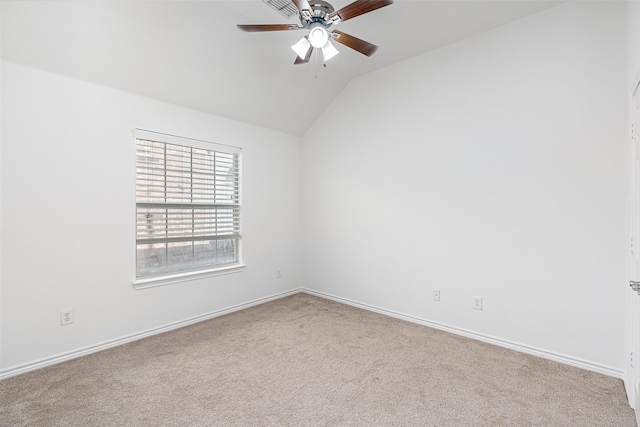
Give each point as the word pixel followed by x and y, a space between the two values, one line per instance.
pixel 461 177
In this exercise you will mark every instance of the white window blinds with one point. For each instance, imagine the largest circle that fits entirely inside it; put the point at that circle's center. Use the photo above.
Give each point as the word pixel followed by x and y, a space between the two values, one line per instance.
pixel 187 204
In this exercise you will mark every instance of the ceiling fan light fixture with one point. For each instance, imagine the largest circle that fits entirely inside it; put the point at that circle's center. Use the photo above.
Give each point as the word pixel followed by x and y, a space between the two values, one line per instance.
pixel 316 17
pixel 329 51
pixel 318 36
pixel 302 47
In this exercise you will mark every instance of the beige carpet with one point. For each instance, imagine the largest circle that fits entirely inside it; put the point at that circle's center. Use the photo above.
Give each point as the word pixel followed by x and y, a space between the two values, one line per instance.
pixel 305 361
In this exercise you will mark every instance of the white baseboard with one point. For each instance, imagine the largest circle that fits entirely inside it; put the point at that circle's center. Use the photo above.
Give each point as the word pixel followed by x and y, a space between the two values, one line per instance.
pixel 42 363
pixel 567 360
pixel 572 361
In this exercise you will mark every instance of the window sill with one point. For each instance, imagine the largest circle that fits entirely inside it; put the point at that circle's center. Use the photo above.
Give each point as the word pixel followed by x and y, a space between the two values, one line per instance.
pixel 152 282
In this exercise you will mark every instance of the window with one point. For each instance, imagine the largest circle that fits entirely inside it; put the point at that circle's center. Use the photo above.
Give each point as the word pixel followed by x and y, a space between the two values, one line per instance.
pixel 187 205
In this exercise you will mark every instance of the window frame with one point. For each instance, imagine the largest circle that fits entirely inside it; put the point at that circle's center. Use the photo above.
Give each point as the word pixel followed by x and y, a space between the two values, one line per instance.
pixel 142 282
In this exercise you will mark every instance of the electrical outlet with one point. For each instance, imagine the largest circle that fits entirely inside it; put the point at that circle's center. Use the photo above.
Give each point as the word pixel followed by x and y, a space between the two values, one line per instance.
pixel 279 273
pixel 436 295
pixel 66 317
pixel 477 303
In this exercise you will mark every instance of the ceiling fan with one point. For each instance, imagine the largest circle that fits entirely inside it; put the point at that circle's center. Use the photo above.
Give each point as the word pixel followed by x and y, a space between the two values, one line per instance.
pixel 317 16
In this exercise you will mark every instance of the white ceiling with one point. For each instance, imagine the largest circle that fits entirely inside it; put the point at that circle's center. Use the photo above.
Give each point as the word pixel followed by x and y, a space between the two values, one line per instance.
pixel 190 53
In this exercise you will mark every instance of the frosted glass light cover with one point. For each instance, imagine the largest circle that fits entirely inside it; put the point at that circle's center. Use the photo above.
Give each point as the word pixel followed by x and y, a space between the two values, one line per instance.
pixel 318 37
pixel 329 51
pixel 302 47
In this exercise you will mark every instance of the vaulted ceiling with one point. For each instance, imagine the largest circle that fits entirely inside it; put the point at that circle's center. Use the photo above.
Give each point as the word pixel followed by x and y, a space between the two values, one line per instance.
pixel 190 53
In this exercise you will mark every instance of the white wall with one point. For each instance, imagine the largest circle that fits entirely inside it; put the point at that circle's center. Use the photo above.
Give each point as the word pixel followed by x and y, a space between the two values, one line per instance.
pixel 68 215
pixel 493 167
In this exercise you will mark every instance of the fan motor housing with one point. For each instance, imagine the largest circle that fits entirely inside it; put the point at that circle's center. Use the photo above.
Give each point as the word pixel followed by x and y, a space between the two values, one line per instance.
pixel 321 9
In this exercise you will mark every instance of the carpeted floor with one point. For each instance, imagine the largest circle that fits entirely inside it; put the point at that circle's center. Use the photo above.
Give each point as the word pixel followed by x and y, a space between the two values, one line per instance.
pixel 305 361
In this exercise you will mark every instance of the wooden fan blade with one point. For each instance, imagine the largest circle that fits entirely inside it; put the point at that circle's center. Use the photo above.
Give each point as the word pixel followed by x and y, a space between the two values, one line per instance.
pixel 355 43
pixel 306 59
pixel 359 7
pixel 269 27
